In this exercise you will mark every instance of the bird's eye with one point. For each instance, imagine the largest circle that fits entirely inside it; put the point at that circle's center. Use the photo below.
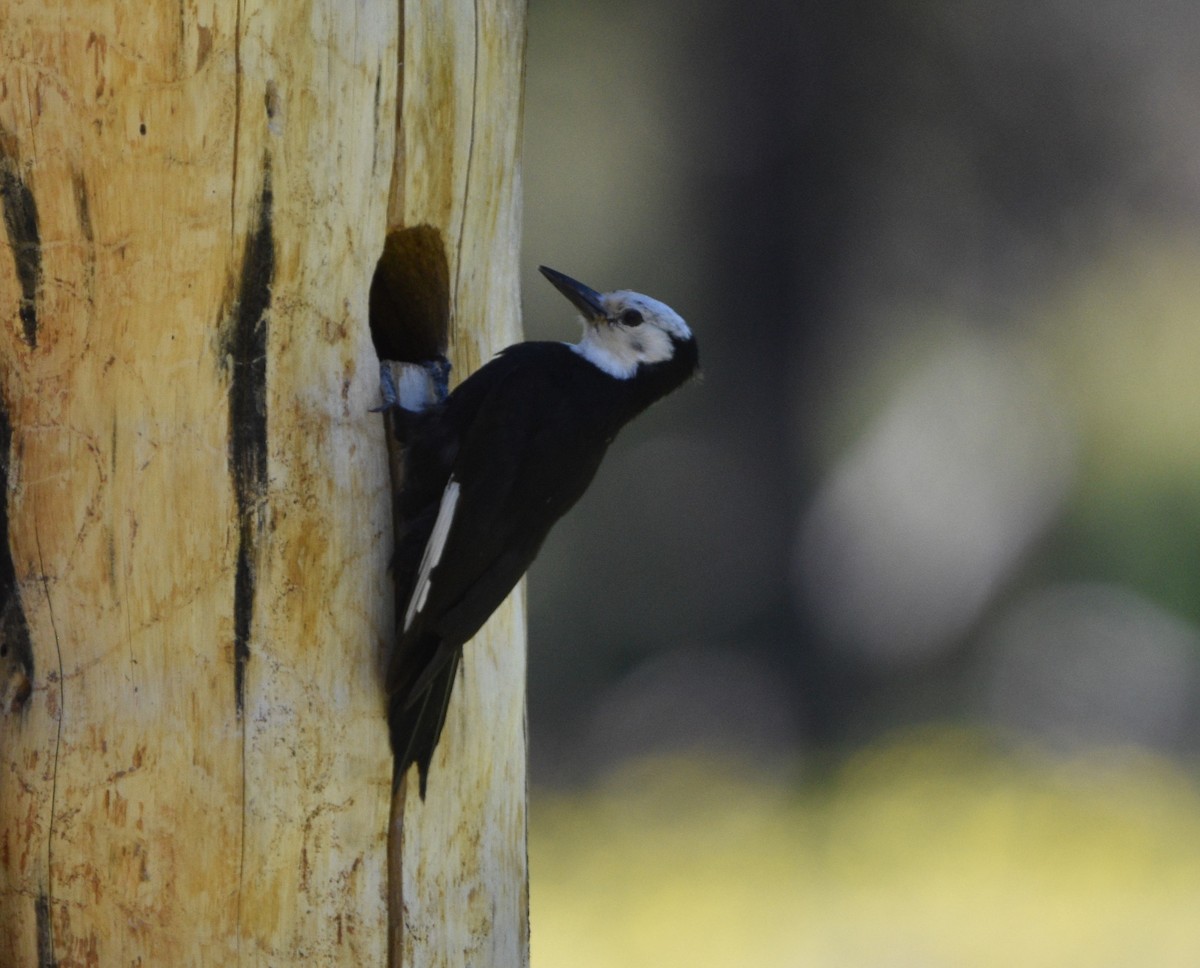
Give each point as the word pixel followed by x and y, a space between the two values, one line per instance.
pixel 631 317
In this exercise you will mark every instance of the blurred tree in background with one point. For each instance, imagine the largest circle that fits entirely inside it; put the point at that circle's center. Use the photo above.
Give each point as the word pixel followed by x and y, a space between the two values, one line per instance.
pixel 942 473
pixel 940 258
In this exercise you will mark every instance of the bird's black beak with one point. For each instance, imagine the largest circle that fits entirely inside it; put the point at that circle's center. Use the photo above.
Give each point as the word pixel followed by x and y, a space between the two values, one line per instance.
pixel 586 300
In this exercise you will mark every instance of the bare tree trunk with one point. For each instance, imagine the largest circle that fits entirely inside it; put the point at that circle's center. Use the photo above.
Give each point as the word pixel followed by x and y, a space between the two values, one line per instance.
pixel 459 881
pixel 194 767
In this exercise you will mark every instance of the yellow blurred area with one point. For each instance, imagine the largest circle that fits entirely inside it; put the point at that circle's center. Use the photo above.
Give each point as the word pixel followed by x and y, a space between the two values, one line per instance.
pixel 932 849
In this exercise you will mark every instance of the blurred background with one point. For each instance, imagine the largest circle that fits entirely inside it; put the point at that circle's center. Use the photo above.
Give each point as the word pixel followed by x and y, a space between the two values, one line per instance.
pixel 879 645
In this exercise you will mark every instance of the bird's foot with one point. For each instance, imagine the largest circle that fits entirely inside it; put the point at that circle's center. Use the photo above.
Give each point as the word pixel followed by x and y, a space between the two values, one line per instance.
pixel 413 386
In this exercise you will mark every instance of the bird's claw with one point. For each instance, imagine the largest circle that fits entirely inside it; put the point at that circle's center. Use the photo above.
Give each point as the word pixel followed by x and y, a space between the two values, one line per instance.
pixel 429 389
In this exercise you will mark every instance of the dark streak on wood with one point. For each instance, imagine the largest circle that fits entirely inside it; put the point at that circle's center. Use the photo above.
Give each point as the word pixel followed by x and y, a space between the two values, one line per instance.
pixel 378 83
pixel 21 225
pixel 82 209
pixel 245 353
pixel 45 935
pixel 16 649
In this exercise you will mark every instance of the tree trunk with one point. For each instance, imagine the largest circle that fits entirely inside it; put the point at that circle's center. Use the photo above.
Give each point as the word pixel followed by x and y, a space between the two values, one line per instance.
pixel 194 766
pixel 459 882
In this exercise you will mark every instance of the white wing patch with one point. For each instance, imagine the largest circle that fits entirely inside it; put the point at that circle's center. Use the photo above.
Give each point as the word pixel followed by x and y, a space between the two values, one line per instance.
pixel 433 551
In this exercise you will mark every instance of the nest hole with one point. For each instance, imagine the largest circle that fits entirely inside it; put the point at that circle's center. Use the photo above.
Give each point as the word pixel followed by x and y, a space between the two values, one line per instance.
pixel 410 297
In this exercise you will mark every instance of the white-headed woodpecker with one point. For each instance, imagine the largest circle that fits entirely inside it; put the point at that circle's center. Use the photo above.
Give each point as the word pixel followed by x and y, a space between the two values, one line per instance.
pixel 493 467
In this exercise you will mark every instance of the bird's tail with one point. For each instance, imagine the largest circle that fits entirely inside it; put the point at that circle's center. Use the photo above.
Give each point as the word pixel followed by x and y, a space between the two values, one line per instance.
pixel 415 723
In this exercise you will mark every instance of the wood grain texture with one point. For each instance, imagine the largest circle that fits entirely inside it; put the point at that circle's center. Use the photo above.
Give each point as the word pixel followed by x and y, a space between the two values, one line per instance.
pixel 459 880
pixel 199 772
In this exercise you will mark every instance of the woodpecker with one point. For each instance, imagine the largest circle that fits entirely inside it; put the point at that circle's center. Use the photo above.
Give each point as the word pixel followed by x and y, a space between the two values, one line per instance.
pixel 492 467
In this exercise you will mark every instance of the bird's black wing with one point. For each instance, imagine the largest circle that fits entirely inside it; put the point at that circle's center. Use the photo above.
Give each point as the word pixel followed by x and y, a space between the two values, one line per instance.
pixel 416 726
pixel 529 455
pixel 525 455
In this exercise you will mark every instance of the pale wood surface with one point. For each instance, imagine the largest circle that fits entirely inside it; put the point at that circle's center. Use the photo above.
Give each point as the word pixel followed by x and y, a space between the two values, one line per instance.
pixel 193 166
pixel 460 872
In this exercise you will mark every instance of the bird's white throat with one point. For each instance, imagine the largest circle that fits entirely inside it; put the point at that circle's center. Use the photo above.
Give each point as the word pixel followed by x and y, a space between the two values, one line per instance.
pixel 627 329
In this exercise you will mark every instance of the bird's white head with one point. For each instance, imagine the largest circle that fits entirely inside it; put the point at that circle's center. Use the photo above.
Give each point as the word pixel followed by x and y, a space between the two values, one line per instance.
pixel 622 330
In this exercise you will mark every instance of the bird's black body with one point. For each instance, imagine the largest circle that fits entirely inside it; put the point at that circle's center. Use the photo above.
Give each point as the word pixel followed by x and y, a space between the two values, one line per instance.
pixel 501 460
